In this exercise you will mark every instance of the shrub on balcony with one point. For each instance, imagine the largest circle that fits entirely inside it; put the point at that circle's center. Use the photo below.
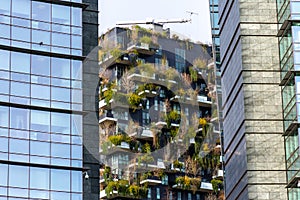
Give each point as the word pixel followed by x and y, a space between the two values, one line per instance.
pixel 216 184
pixel 177 164
pixel 118 139
pixel 134 100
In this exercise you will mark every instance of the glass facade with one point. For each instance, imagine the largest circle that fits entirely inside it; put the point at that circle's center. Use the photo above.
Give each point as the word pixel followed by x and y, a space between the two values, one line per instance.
pixel 41 26
pixel 41 99
pixel 289 30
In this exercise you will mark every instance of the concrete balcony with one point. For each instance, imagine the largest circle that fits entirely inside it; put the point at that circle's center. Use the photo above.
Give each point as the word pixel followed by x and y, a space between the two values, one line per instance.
pixel 142 48
pixel 148 93
pixel 104 105
pixel 151 180
pixel 108 117
pixel 206 186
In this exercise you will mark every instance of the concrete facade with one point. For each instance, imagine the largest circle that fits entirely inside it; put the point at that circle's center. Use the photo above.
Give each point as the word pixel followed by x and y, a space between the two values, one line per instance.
pixel 90 81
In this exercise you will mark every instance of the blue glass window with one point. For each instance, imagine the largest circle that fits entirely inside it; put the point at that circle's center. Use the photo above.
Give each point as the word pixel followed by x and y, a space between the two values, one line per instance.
pixel 41 37
pixel 60 39
pixel 77 125
pixel 60 82
pixel 5 31
pixel 60 195
pixel 4 89
pixel 39 194
pixel 77 96
pixel 60 123
pixel 60 180
pixel 60 150
pixel 20 77
pixel 76 152
pixel 4 57
pixel 76 181
pixel 40 121
pixel 60 138
pixel 18 192
pixel 40 91
pixel 20 62
pixel 4 114
pixel 4 174
pixel 60 68
pixel 76 69
pixel 39 178
pixel 5 7
pixel 76 196
pixel 60 94
pixel 19 33
pixel 41 11
pixel 20 89
pixel 19 118
pixel 19 146
pixel 60 14
pixel 77 42
pixel 40 65
pixel 18 176
pixel 21 8
pixel 76 16
pixel 19 134
pixel 39 136
pixel 4 144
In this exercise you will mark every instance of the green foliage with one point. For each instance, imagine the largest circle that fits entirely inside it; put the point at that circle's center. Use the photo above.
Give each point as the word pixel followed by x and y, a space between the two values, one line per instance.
pixel 107 174
pixel 177 164
pixel 200 63
pixel 111 186
pixel 146 148
pixel 216 184
pixel 134 100
pixel 124 189
pixel 186 182
pixel 193 74
pixel 116 52
pixel 108 95
pixel 146 40
pixel 174 132
pixel 117 139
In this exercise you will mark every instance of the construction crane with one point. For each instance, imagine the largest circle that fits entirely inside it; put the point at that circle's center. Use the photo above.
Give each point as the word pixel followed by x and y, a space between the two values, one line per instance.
pixel 153 22
pixel 160 22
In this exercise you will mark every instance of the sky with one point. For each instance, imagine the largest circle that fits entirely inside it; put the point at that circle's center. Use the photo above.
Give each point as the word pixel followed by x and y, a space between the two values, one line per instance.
pixel 113 11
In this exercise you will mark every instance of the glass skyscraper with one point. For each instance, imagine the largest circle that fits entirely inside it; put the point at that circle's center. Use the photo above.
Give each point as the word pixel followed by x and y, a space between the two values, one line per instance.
pixel 246 52
pixel 289 38
pixel 41 104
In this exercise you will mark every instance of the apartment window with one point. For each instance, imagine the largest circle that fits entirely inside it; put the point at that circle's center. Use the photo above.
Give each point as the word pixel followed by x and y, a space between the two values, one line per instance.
pixel 155 104
pixel 157 63
pixel 189 196
pixel 164 180
pixel 171 195
pixel 146 118
pixel 162 94
pixel 149 194
pixel 179 196
pixel 177 108
pixel 197 196
pixel 179 59
pixel 157 193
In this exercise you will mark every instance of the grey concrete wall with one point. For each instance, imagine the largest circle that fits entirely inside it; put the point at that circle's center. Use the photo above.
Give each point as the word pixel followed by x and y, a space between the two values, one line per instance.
pixel 90 81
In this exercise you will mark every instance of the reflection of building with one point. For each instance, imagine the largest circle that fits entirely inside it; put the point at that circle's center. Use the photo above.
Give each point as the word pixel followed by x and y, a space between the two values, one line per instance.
pixel 252 115
pixel 41 98
pixel 157 138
